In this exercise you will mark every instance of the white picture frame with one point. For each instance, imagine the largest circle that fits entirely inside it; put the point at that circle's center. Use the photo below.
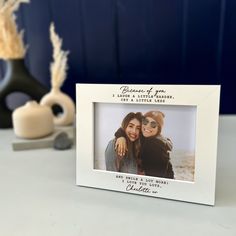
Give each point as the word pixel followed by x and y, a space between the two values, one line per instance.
pixel 191 115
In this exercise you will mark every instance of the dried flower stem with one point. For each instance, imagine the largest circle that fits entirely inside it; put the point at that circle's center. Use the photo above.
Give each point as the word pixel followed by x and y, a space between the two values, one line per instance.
pixel 11 41
pixel 59 64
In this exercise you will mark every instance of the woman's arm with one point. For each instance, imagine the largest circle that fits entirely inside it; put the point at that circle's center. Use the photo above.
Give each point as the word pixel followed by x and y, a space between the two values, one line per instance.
pixel 111 157
pixel 121 143
pixel 167 166
pixel 167 142
pixel 121 147
pixel 156 159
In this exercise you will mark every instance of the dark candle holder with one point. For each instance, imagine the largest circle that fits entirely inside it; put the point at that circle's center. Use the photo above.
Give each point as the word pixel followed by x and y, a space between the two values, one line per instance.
pixel 17 79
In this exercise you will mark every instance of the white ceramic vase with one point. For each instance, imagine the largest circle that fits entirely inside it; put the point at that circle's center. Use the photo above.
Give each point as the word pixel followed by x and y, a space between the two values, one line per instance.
pixel 32 121
pixel 56 97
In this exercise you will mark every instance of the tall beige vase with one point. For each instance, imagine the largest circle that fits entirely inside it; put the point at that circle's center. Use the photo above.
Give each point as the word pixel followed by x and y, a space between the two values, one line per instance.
pixel 56 97
pixel 58 76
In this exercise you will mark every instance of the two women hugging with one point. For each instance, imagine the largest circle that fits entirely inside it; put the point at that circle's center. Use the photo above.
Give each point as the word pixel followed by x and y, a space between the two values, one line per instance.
pixel 139 147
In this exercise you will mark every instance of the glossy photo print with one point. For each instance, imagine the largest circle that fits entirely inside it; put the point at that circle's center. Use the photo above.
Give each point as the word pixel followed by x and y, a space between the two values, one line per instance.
pixel 149 140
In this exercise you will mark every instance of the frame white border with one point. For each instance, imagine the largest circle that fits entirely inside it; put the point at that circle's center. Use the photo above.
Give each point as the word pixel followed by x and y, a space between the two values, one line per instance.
pixel 204 97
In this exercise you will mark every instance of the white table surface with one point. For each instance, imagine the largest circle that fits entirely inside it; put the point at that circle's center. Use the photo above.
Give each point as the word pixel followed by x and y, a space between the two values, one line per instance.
pixel 38 196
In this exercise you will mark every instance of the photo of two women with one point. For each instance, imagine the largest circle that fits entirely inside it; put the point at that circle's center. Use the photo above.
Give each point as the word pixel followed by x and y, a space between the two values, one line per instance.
pixel 155 141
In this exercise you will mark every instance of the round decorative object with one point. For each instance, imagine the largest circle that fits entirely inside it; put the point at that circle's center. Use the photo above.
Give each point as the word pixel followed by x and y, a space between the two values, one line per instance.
pixel 17 79
pixel 56 97
pixel 32 121
pixel 62 142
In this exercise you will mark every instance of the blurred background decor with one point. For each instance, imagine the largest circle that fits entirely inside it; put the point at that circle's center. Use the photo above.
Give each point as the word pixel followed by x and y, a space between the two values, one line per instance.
pixel 127 41
pixel 58 75
pixel 12 50
pixel 32 121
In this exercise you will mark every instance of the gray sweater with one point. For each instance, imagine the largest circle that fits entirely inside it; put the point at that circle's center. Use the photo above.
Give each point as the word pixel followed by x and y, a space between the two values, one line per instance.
pixel 126 165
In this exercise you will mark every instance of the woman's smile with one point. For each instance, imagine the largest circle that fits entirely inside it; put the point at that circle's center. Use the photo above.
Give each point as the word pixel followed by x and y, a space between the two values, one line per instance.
pixel 132 136
pixel 148 132
pixel 147 127
pixel 133 129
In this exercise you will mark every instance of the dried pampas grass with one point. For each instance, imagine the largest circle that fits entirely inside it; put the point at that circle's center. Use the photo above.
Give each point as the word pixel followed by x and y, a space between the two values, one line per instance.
pixel 11 42
pixel 59 64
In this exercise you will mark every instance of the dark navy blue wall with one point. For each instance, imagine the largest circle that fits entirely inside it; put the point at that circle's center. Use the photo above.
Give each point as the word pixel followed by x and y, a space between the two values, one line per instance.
pixel 136 41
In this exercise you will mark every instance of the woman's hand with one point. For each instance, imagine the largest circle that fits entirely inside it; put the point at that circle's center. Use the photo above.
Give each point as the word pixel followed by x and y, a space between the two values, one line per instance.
pixel 121 147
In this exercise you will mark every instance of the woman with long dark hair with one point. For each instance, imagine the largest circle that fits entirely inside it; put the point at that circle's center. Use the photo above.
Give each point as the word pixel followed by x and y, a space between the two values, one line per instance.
pixel 128 163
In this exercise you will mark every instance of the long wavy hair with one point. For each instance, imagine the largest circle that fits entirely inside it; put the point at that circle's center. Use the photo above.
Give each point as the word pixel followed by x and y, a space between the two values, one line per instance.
pixel 133 147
